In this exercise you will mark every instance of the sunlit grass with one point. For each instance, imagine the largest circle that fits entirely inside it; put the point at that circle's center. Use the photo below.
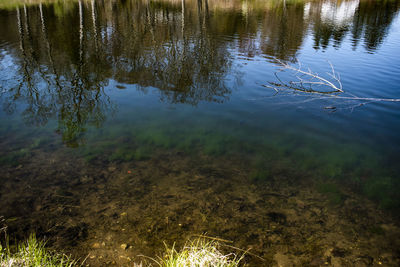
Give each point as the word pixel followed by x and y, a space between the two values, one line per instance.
pixel 195 253
pixel 32 253
pixel 199 253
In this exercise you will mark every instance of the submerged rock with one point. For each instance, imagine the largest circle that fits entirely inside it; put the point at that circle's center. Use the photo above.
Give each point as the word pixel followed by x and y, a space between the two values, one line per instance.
pixel 282 260
pixel 96 245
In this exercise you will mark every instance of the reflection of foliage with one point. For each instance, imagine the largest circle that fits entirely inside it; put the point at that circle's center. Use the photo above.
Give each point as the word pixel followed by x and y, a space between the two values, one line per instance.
pixel 76 96
pixel 188 65
pixel 373 19
pixel 284 30
pixel 82 106
pixel 370 22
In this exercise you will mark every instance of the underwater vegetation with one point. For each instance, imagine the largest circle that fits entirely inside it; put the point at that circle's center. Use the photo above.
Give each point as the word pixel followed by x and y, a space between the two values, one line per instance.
pixel 266 157
pixel 260 175
pixel 14 158
pixel 121 154
pixel 332 191
pixel 384 190
pixel 330 164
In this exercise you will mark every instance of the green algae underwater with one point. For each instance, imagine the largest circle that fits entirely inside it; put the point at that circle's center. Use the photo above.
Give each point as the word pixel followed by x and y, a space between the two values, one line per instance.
pixel 144 123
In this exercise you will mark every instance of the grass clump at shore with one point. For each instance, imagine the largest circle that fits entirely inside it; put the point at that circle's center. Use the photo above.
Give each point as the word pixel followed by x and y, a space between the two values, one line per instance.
pixel 199 253
pixel 195 253
pixel 32 253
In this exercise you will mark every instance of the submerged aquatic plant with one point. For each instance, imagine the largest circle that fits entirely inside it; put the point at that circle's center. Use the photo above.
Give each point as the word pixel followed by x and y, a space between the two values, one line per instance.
pixel 383 190
pixel 332 191
pixel 32 253
pixel 260 175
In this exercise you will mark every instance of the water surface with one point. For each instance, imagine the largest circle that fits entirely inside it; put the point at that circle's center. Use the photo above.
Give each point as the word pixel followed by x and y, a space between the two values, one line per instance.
pixel 143 122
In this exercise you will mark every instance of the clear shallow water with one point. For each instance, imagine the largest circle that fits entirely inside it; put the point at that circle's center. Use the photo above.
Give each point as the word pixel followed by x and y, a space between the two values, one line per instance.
pixel 138 123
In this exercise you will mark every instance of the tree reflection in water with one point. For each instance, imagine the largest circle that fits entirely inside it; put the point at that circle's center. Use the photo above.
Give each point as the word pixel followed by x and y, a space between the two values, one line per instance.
pixel 67 52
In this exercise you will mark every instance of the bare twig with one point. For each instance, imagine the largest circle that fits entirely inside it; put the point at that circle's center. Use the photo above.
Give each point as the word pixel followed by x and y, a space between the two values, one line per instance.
pixel 245 251
pixel 311 83
pixel 213 238
pixel 229 246
pixel 307 80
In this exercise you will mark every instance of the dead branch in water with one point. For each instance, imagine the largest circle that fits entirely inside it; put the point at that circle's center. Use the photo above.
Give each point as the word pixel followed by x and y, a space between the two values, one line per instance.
pixel 308 82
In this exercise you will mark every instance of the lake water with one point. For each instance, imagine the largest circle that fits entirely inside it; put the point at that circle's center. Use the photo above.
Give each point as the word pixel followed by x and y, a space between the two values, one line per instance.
pixel 143 122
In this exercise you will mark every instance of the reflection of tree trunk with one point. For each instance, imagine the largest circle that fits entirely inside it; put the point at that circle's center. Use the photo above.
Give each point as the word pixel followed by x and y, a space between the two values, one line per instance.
pixel 183 16
pixel 41 17
pixel 21 45
pixel 45 35
pixel 26 20
pixel 202 14
pixel 33 53
pixel 21 32
pixel 284 6
pixel 199 9
pixel 27 61
pixel 80 32
pixel 206 14
pixel 79 85
pixel 150 20
pixel 205 17
pixel 94 19
pixel 46 38
pixel 28 33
